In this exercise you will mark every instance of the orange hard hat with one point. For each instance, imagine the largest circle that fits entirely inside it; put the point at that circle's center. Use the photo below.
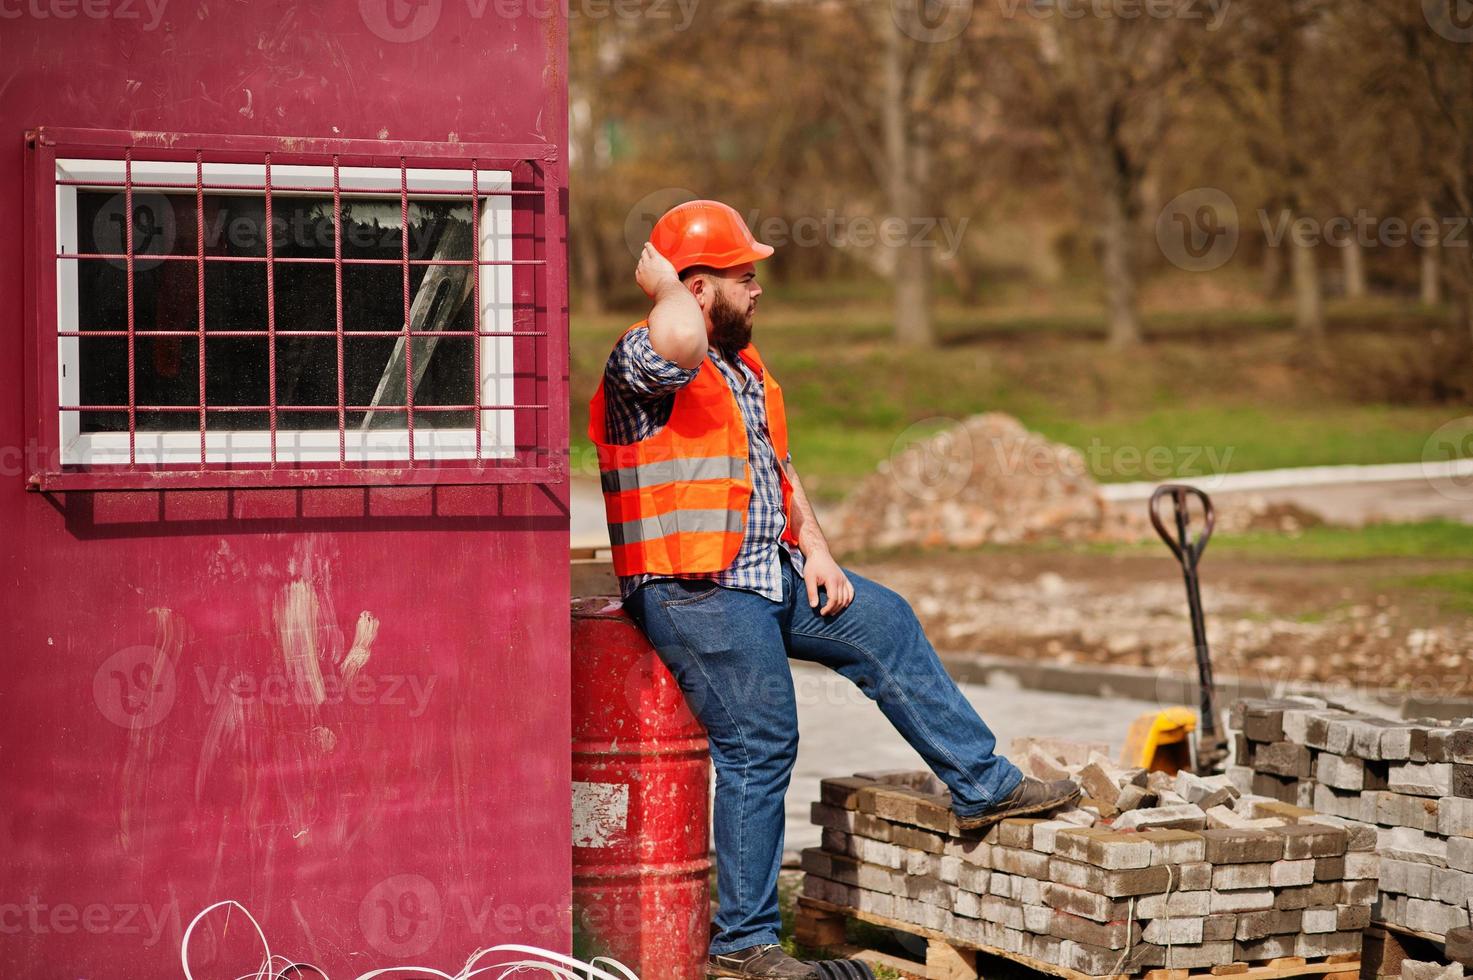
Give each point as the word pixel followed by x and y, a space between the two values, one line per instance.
pixel 705 233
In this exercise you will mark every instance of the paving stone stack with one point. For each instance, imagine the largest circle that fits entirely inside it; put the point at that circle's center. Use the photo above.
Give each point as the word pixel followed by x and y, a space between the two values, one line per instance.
pixel 1409 780
pixel 1149 871
pixel 1428 970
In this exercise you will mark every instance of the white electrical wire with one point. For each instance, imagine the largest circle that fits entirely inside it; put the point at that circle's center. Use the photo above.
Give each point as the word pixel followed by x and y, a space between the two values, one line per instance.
pixel 556 965
pixel 1129 942
pixel 1130 921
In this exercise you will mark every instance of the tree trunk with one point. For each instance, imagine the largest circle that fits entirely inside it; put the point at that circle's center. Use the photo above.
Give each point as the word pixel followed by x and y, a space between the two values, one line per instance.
pixel 911 263
pixel 1429 263
pixel 583 222
pixel 1353 265
pixel 590 267
pixel 1273 271
pixel 1462 272
pixel 1117 262
pixel 913 299
pixel 1309 307
pixel 1431 275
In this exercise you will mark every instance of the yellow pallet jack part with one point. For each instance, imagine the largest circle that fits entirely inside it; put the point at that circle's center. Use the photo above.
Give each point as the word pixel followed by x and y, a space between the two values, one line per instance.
pixel 1161 741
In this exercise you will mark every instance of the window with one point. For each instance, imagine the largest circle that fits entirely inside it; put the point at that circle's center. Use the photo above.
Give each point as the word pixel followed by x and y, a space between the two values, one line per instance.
pixel 296 316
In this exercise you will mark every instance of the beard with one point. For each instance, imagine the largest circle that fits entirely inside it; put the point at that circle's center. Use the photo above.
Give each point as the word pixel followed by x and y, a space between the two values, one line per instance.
pixel 731 327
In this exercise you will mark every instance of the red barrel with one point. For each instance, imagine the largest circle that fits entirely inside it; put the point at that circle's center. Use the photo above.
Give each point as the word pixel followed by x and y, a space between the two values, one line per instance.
pixel 641 815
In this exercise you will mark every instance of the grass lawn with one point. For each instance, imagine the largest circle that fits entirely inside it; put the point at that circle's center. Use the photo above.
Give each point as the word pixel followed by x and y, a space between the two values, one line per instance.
pixel 1223 391
pixel 1423 539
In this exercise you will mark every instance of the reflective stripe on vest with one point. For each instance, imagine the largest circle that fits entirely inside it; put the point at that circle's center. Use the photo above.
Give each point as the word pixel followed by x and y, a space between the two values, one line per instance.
pixel 670 470
pixel 674 522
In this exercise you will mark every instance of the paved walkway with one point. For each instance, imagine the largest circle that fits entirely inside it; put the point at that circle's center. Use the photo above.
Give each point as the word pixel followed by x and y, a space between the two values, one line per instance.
pixel 841 731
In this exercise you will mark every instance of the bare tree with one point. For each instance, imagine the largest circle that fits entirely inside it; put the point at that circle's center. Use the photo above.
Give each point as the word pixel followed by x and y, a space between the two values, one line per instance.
pixel 1259 70
pixel 1425 60
pixel 1103 87
pixel 894 73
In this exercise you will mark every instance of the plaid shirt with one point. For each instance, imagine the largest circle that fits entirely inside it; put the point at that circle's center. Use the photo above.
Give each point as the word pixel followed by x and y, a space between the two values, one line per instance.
pixel 639 394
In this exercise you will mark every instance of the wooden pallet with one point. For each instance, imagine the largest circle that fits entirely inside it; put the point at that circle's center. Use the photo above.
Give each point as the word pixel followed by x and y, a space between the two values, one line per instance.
pixel 821 924
pixel 1387 945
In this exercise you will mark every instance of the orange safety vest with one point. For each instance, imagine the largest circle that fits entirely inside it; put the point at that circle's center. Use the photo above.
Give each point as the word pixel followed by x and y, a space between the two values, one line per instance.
pixel 677 501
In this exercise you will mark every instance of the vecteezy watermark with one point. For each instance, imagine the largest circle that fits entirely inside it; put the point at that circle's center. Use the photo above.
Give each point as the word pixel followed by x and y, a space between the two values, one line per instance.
pixel 401 915
pixel 934 459
pixel 861 231
pixel 830 228
pixel 400 21
pixel 135 687
pixel 655 698
pixel 156 230
pixel 1447 459
pixel 148 13
pixel 362 690
pixel 1198 230
pixel 404 914
pixel 138 686
pixel 38 918
pixel 406 21
pixel 1451 19
pixel 931 21
pixel 1154 462
pixel 640 219
pixel 1364 229
pixel 1211 12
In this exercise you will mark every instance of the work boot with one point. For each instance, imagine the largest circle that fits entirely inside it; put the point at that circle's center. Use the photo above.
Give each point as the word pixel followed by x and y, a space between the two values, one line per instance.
pixel 766 960
pixel 1032 796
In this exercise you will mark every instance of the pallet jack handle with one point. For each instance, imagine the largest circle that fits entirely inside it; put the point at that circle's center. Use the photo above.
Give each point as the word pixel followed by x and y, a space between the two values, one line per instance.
pixel 1211 747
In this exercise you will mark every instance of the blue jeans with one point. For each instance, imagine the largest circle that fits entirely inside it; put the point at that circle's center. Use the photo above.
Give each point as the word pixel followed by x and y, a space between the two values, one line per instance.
pixel 728 650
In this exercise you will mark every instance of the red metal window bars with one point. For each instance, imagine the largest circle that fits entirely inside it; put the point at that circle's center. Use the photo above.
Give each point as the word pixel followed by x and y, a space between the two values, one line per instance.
pixel 518 430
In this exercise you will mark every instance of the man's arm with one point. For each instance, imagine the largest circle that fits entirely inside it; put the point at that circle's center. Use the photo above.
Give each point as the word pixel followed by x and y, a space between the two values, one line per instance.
pixel 819 566
pixel 677 325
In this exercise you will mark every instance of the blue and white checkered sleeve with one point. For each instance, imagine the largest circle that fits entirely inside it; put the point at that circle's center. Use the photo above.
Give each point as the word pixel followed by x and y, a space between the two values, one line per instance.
pixel 640 370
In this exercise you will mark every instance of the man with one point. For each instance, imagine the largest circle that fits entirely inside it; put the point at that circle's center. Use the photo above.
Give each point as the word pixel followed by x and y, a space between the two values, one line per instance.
pixel 723 565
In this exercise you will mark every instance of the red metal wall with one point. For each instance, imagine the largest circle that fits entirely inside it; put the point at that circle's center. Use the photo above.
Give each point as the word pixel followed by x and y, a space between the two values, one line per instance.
pixel 418 806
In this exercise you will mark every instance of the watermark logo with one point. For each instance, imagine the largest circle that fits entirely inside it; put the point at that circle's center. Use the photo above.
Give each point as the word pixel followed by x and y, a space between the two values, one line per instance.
pixel 1198 230
pixel 400 21
pixel 932 465
pixel 640 220
pixel 657 699
pixel 931 21
pixel 1212 13
pixel 829 228
pixel 362 690
pixel 1451 19
pixel 155 231
pixel 38 918
pixel 401 915
pixel 135 687
pixel 406 21
pixel 138 686
pixel 1364 229
pixel 1447 459
pixel 150 12
pixel 862 231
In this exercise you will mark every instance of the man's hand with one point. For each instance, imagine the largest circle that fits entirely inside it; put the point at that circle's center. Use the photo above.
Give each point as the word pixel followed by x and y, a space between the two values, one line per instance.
pixel 677 325
pixel 820 569
pixel 654 272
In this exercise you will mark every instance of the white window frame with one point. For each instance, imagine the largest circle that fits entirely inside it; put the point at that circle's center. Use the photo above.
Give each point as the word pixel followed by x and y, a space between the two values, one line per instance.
pixel 293 445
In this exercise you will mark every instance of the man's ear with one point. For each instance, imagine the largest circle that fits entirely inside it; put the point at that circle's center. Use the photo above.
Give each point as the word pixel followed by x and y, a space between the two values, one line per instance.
pixel 700 289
